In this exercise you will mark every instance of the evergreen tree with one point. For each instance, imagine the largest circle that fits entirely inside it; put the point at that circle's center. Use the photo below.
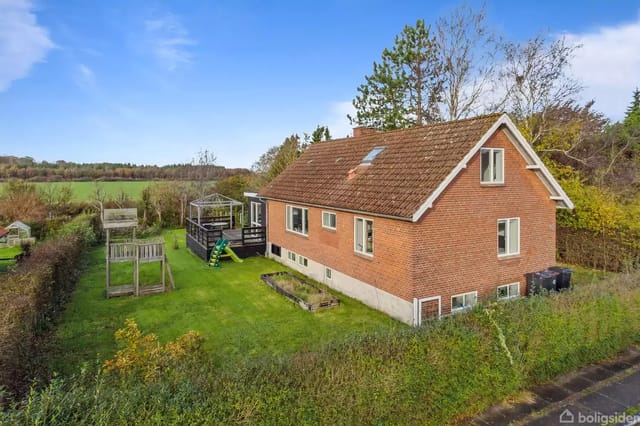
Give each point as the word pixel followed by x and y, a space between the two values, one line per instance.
pixel 289 151
pixel 632 116
pixel 405 87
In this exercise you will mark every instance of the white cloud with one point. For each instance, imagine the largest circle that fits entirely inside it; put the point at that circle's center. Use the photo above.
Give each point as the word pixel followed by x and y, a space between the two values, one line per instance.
pixel 85 78
pixel 337 120
pixel 608 64
pixel 169 41
pixel 22 41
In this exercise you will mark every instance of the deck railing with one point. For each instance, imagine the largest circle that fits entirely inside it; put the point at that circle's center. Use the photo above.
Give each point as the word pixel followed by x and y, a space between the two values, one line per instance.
pixel 254 235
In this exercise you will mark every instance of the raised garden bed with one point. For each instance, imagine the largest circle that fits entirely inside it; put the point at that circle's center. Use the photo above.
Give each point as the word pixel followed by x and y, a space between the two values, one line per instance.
pixel 305 294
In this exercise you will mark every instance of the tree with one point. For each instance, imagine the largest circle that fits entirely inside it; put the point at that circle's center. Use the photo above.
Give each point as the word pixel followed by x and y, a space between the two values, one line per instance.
pixel 263 164
pixel 205 164
pixel 288 152
pixel 405 87
pixel 20 201
pixel 466 48
pixel 632 116
pixel 320 134
pixel 535 80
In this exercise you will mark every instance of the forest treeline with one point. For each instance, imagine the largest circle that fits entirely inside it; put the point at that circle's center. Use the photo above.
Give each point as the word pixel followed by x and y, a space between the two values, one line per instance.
pixel 29 169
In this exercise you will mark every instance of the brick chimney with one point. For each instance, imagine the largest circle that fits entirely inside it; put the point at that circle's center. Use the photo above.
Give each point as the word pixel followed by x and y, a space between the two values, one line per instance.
pixel 364 131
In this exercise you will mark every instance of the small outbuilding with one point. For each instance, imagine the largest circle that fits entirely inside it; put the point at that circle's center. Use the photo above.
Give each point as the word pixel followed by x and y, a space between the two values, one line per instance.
pixel 16 234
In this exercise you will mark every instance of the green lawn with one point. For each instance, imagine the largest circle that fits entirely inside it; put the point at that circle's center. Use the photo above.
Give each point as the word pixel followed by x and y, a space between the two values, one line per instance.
pixel 8 253
pixel 85 191
pixel 238 315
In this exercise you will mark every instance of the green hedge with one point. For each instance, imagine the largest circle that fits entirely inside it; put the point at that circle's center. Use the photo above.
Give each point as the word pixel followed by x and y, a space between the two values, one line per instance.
pixel 31 295
pixel 434 374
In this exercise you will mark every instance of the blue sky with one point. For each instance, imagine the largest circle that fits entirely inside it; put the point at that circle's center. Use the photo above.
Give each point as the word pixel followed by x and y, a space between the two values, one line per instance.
pixel 154 82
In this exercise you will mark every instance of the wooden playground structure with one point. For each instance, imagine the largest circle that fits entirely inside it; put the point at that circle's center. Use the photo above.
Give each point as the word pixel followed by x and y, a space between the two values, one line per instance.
pixel 136 251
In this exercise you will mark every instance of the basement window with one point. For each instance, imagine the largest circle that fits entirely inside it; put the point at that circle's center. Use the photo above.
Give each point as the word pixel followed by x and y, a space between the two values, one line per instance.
pixel 463 302
pixel 368 159
pixel 508 291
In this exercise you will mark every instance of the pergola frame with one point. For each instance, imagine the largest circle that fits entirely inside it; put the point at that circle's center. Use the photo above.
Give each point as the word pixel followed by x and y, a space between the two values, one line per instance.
pixel 216 201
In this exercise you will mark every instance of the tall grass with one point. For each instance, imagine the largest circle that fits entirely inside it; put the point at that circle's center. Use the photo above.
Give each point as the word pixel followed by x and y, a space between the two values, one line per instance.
pixel 430 375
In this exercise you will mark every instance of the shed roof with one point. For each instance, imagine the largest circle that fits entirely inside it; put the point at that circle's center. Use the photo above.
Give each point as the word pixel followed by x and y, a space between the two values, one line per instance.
pixel 405 177
pixel 19 225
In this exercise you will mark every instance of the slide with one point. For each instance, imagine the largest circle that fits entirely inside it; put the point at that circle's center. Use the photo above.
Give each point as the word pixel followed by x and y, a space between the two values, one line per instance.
pixel 232 254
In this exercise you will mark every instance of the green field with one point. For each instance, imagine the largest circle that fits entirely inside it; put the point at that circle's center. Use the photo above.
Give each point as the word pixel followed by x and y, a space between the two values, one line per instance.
pixel 85 191
pixel 6 257
pixel 238 315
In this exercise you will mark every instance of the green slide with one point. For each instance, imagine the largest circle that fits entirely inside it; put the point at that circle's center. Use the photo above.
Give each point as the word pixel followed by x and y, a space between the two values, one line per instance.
pixel 232 254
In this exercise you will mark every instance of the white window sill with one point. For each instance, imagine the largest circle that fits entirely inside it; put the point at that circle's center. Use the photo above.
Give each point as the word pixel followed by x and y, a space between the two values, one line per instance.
pixel 509 256
pixel 297 233
pixel 368 256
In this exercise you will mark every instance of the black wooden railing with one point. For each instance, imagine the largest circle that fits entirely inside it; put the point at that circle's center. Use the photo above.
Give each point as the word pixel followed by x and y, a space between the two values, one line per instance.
pixel 254 235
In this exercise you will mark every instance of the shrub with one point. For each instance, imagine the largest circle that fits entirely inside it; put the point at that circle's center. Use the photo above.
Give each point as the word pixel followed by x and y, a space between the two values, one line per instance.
pixel 145 358
pixel 434 374
pixel 32 294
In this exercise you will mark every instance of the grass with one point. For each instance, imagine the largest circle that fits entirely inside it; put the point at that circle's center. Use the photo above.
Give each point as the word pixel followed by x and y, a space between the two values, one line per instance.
pixel 582 275
pixel 84 191
pixel 8 253
pixel 238 314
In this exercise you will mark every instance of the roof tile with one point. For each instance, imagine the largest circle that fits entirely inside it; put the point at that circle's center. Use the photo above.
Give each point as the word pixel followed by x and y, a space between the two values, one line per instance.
pixel 399 180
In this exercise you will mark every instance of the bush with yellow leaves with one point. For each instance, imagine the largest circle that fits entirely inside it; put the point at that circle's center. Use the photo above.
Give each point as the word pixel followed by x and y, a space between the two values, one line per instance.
pixel 144 357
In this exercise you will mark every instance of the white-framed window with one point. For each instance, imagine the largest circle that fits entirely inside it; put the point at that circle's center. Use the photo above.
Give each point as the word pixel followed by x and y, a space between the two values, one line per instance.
pixel 298 220
pixel 492 165
pixel 256 214
pixel 303 261
pixel 291 255
pixel 329 220
pixel 327 273
pixel 363 236
pixel 462 302
pixel 508 291
pixel 509 236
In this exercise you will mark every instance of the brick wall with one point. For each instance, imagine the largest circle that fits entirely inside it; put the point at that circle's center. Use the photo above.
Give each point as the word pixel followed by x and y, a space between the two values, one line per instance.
pixel 456 240
pixel 389 269
pixel 452 249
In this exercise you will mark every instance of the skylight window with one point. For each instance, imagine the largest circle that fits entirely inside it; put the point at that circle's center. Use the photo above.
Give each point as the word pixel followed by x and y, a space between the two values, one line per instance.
pixel 368 159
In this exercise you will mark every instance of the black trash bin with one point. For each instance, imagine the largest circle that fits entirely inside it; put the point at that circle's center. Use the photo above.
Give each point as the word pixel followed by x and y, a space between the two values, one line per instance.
pixel 564 278
pixel 549 279
pixel 541 280
pixel 532 283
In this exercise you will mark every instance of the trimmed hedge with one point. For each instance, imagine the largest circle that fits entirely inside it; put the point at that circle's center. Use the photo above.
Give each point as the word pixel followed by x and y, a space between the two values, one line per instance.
pixel 435 374
pixel 31 295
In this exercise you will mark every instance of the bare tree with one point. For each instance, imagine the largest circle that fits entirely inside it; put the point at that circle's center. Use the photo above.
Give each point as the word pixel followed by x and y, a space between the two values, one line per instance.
pixel 466 48
pixel 205 164
pixel 535 78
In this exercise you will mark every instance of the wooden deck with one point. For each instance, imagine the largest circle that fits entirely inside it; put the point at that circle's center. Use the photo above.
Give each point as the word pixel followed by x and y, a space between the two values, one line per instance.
pixel 245 242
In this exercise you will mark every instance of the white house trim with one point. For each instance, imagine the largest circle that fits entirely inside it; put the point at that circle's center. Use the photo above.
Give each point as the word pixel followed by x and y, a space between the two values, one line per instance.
pixel 525 150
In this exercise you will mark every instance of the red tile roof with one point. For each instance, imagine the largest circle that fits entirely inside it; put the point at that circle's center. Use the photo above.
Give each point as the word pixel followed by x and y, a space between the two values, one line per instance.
pixel 412 165
pixel 3 232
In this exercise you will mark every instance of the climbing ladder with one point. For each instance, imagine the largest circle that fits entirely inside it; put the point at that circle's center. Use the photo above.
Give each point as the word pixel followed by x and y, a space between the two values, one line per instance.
pixel 216 252
pixel 221 249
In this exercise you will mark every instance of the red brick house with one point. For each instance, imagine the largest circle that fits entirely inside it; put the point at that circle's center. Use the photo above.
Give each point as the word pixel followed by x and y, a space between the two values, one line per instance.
pixel 418 222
